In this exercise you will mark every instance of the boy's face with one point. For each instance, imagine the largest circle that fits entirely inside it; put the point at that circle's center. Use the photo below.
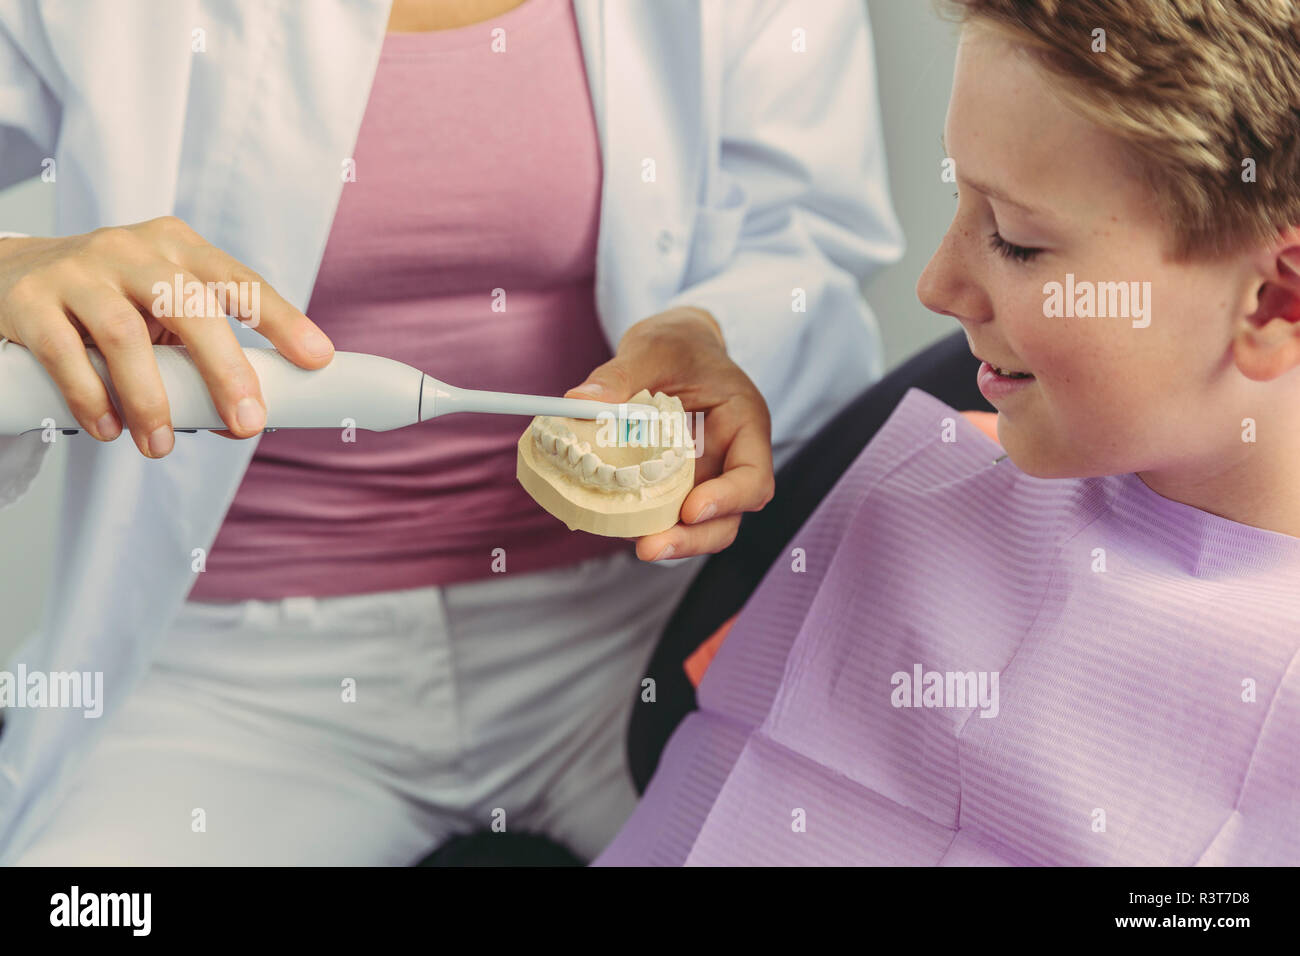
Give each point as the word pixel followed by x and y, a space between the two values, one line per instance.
pixel 1106 397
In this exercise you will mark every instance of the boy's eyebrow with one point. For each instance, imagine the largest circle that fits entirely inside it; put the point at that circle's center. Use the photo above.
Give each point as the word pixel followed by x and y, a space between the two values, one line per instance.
pixel 998 193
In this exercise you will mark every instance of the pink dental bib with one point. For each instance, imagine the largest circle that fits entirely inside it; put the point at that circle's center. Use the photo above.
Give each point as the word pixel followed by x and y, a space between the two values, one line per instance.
pixel 982 667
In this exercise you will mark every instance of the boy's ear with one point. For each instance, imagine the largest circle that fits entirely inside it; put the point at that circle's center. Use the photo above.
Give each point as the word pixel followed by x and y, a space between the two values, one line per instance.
pixel 1267 341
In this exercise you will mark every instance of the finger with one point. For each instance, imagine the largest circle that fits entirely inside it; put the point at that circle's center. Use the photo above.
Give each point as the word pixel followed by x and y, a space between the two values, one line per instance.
pixel 120 332
pixel 647 364
pixel 227 433
pixel 234 386
pixel 716 435
pixel 58 347
pixel 746 483
pixel 681 541
pixel 711 461
pixel 294 336
pixel 611 382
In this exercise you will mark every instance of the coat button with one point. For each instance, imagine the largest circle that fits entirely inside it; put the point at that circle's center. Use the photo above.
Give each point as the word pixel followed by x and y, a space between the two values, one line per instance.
pixel 665 242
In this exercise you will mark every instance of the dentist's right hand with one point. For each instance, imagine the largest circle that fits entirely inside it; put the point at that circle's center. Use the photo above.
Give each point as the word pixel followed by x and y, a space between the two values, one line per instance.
pixel 58 295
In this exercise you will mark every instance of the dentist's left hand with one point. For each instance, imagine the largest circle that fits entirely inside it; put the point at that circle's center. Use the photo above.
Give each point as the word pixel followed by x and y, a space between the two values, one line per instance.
pixel 682 352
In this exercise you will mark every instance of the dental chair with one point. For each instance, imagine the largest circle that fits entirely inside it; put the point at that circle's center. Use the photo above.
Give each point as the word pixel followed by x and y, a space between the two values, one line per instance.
pixel 947 371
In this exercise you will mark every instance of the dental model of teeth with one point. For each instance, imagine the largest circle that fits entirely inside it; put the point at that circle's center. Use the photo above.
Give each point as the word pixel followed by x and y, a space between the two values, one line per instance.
pixel 619 478
pixel 562 445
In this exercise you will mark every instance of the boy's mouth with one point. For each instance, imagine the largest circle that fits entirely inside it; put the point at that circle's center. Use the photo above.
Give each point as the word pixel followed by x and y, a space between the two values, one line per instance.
pixel 1004 371
pixel 1007 373
pixel 996 382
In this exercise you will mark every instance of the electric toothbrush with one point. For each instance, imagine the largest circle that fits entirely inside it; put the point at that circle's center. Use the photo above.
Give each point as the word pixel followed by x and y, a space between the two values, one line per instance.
pixel 363 391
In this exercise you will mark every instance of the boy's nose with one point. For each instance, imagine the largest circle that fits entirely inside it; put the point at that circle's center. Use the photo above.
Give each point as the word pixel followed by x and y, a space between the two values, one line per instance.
pixel 947 287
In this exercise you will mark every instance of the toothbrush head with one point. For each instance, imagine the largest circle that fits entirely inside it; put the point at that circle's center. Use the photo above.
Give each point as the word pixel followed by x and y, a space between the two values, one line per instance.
pixel 636 423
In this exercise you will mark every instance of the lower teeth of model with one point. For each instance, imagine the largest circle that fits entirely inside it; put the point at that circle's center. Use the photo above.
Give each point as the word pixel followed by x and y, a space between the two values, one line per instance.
pixel 583 462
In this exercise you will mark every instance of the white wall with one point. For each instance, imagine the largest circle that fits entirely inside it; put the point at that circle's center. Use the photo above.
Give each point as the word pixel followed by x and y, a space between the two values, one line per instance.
pixel 914 55
pixel 914 59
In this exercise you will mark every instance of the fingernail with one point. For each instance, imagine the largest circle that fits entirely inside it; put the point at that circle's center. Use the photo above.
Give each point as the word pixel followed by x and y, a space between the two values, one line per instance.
pixel 316 343
pixel 249 414
pixel 108 426
pixel 666 553
pixel 160 442
pixel 709 511
pixel 594 389
pixel 1292 261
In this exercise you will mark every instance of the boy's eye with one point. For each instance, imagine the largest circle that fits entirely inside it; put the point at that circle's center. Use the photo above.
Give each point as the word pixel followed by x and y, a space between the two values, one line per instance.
pixel 1009 250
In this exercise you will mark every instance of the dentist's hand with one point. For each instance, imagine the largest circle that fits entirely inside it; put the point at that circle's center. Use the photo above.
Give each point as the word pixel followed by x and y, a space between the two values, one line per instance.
pixel 58 295
pixel 682 352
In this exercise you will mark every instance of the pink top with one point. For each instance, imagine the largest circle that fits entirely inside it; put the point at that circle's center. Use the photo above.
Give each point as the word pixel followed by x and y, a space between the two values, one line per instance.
pixel 475 171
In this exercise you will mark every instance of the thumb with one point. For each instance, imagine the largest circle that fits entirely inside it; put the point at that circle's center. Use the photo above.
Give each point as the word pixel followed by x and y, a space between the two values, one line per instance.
pixel 611 382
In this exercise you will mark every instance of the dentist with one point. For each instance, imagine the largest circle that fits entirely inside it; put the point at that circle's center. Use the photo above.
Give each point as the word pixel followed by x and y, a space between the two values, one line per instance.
pixel 321 651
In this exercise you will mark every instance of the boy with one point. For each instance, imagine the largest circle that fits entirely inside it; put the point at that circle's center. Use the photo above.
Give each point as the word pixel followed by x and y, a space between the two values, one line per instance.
pixel 1082 647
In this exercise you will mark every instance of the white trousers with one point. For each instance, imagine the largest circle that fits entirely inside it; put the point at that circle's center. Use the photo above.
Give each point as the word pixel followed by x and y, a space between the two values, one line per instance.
pixel 368 729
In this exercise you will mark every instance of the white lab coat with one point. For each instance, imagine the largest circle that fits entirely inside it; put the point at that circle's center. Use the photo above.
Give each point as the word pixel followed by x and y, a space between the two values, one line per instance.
pixel 769 177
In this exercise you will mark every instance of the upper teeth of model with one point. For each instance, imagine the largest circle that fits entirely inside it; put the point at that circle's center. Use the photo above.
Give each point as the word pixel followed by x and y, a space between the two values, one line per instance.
pixel 1007 372
pixel 667 437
